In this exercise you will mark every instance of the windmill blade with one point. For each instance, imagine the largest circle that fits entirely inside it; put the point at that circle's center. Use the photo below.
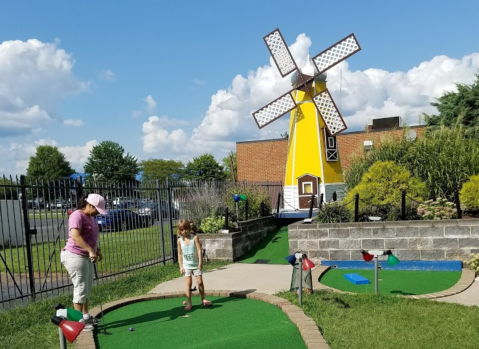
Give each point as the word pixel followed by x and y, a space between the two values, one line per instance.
pixel 336 53
pixel 329 112
pixel 274 110
pixel 280 52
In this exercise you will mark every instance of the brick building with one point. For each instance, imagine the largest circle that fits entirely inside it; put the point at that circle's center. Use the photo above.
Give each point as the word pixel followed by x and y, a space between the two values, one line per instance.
pixel 266 159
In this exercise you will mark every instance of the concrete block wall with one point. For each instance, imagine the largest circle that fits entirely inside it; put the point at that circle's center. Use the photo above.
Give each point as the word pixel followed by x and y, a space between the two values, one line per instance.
pixel 453 239
pixel 231 246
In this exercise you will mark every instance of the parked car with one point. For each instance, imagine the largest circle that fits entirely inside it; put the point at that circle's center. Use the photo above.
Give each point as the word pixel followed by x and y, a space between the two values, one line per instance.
pixel 57 204
pixel 153 210
pixel 35 204
pixel 122 220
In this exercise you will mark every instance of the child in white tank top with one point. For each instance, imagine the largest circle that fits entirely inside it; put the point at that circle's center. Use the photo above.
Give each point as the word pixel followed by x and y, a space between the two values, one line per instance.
pixel 190 260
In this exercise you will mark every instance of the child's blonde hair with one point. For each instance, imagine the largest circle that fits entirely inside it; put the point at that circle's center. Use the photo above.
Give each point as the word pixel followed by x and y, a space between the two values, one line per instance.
pixel 183 224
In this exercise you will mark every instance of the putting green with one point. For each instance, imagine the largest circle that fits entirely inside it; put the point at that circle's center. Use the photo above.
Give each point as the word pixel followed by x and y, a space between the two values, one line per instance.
pixel 273 248
pixel 395 282
pixel 229 323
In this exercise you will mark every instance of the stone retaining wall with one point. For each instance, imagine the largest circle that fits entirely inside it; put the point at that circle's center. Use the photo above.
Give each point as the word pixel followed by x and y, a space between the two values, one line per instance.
pixel 231 246
pixel 411 240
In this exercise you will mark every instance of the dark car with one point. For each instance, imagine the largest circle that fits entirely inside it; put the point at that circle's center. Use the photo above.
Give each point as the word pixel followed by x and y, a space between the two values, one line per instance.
pixel 122 220
pixel 152 209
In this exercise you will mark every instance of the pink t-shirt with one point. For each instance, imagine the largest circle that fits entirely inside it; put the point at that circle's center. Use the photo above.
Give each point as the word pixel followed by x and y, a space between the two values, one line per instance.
pixel 89 232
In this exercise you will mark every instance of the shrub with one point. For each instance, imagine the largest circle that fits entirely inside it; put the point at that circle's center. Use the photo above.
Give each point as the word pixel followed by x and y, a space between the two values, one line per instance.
pixel 333 212
pixel 469 194
pixel 473 262
pixel 255 194
pixel 212 224
pixel 439 209
pixel 382 186
pixel 204 200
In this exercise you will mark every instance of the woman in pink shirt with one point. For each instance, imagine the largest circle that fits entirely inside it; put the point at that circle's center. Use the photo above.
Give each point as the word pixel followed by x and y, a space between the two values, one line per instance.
pixel 81 251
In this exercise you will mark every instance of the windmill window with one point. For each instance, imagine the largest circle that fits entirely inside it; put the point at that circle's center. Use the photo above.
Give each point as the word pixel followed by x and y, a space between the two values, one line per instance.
pixel 331 143
pixel 307 187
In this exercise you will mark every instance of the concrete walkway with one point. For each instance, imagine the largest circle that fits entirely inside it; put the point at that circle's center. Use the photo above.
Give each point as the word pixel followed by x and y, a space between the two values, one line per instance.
pixel 270 279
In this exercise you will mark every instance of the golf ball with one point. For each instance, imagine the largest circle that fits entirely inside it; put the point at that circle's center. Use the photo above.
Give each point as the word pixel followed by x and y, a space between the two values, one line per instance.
pixel 184 303
pixel 131 329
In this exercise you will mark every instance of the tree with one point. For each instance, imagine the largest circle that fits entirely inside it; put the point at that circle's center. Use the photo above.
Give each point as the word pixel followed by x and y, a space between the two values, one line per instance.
pixel 204 167
pixel 107 161
pixel 463 105
pixel 161 169
pixel 227 162
pixel 49 163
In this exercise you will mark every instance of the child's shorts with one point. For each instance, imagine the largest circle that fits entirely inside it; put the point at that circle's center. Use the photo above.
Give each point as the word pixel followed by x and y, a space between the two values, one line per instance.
pixel 193 272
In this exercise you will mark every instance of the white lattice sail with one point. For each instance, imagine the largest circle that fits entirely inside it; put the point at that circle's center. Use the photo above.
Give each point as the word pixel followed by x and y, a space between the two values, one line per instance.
pixel 329 113
pixel 336 53
pixel 274 110
pixel 280 52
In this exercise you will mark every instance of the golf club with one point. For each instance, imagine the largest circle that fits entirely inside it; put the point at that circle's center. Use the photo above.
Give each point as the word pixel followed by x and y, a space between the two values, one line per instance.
pixel 104 331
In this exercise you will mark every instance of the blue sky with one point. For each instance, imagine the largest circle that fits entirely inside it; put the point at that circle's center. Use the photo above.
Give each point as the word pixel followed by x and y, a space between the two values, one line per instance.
pixel 174 80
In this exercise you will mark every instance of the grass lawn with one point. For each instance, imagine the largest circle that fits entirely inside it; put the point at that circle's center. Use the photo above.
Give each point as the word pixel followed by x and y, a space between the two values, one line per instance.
pixel 120 250
pixel 30 327
pixel 394 282
pixel 380 321
pixel 274 247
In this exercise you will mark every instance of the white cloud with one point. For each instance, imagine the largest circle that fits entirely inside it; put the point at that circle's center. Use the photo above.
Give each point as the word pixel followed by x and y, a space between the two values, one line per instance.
pixel 35 77
pixel 198 82
pixel 361 95
pixel 73 123
pixel 150 104
pixel 78 155
pixel 108 75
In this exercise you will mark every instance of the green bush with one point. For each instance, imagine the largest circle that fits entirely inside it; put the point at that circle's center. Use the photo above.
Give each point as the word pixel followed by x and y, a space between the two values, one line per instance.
pixel 255 194
pixel 443 158
pixel 437 210
pixel 473 262
pixel 212 224
pixel 469 194
pixel 382 187
pixel 333 212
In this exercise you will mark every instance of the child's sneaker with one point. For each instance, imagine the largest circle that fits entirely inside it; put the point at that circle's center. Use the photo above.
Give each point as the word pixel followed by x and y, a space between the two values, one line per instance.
pixel 88 325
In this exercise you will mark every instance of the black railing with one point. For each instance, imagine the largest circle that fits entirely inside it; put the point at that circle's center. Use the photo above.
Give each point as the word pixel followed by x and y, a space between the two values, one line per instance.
pixel 34 229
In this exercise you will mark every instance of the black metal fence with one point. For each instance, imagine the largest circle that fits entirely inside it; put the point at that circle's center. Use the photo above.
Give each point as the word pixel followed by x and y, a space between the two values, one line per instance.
pixel 34 229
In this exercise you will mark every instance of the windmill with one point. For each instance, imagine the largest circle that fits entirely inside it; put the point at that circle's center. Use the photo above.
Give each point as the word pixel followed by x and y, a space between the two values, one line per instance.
pixel 313 165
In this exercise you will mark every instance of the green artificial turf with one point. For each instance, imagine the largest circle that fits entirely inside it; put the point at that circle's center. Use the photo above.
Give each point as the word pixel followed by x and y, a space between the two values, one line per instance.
pixel 394 282
pixel 274 247
pixel 228 323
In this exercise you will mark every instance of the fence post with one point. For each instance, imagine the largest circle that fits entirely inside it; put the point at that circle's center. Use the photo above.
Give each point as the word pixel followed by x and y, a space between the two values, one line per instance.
pixel 321 200
pixel 403 204
pixel 458 204
pixel 262 208
pixel 311 205
pixel 78 189
pixel 226 217
pixel 335 196
pixel 278 202
pixel 174 246
pixel 160 218
pixel 246 207
pixel 356 208
pixel 28 234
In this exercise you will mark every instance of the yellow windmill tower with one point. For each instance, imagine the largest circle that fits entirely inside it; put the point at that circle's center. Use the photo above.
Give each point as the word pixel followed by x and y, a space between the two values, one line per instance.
pixel 313 166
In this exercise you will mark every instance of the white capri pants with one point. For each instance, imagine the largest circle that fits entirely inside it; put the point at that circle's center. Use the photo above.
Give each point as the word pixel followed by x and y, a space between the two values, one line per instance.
pixel 81 271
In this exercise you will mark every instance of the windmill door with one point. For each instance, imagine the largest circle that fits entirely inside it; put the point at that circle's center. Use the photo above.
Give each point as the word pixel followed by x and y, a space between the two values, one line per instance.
pixel 307 186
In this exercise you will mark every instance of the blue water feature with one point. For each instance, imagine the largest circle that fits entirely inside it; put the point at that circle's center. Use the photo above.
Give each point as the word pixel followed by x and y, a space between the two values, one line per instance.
pixel 403 265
